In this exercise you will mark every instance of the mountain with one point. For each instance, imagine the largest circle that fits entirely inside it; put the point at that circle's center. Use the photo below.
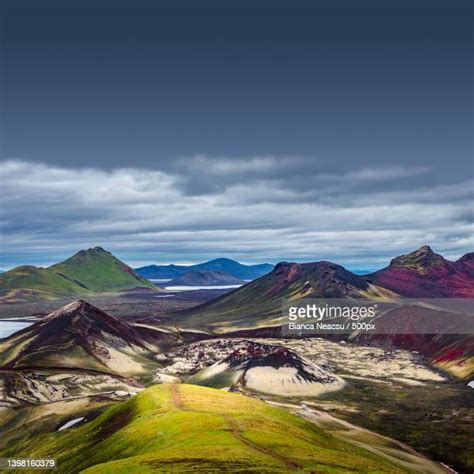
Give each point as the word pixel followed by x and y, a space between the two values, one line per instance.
pixel 244 272
pixel 99 271
pixel 185 428
pixel 451 353
pixel 268 369
pixel 226 265
pixel 426 274
pixel 28 283
pixel 162 272
pixel 445 338
pixel 259 302
pixel 86 273
pixel 81 336
pixel 205 278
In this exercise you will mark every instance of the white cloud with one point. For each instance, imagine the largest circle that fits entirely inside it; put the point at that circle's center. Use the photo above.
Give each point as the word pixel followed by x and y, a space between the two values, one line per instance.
pixel 145 215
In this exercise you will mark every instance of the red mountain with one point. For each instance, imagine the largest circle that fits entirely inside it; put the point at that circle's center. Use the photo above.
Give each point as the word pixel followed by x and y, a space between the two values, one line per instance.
pixel 260 300
pixel 425 274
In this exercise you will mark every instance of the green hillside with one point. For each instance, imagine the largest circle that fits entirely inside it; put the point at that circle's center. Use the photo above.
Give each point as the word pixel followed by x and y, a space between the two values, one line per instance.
pixel 86 273
pixel 99 271
pixel 185 428
pixel 32 283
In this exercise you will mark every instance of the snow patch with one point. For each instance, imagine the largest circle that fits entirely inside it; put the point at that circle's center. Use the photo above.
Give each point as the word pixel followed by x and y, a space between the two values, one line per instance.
pixel 71 423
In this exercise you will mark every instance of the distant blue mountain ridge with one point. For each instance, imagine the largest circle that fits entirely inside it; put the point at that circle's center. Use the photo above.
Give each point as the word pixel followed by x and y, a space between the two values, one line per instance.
pixel 226 265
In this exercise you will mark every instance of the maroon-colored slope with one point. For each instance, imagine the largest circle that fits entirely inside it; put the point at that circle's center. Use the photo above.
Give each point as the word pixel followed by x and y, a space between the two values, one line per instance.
pixel 80 334
pixel 425 274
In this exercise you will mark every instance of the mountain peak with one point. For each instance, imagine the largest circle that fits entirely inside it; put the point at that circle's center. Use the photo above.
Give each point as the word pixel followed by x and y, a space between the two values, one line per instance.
pixel 222 259
pixel 87 254
pixel 98 249
pixel 98 270
pixel 421 259
pixel 81 307
pixel 84 321
pixel 261 298
pixel 204 277
pixel 226 265
pixel 80 335
pixel 95 250
pixel 424 249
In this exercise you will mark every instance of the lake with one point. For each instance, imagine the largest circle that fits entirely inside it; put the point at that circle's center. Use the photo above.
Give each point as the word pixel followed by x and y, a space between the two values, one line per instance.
pixel 10 326
pixel 193 288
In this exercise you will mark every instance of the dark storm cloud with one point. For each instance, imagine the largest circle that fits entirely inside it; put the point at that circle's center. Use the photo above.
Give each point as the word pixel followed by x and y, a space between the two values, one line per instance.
pixel 144 215
pixel 310 177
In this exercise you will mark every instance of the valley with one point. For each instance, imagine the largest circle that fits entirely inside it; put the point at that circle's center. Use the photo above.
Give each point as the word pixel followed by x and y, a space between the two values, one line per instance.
pixel 389 391
pixel 236 237
pixel 209 368
pixel 364 391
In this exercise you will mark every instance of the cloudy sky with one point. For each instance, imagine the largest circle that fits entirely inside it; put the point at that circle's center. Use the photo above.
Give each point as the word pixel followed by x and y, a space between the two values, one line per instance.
pixel 177 131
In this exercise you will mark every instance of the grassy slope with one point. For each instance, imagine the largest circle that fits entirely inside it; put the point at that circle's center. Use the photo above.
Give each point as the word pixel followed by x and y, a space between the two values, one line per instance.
pixel 29 281
pixel 100 271
pixel 245 307
pixel 86 273
pixel 20 423
pixel 187 428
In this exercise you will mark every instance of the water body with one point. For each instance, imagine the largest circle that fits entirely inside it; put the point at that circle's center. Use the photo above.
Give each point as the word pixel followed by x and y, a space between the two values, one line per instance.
pixel 191 288
pixel 9 326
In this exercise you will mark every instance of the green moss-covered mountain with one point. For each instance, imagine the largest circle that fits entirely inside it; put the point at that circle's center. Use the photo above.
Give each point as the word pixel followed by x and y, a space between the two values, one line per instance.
pixel 28 283
pixel 99 271
pixel 86 273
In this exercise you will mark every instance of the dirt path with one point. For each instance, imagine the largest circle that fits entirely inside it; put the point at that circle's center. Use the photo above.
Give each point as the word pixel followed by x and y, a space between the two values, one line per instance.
pixel 176 396
pixel 235 430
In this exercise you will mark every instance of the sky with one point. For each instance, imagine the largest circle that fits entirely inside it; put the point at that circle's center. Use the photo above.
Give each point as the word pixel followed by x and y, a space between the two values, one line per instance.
pixel 178 131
